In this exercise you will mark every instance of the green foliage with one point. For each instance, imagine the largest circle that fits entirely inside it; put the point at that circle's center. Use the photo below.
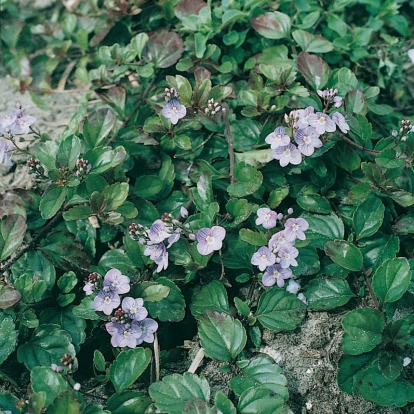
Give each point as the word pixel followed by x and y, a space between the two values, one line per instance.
pixel 122 166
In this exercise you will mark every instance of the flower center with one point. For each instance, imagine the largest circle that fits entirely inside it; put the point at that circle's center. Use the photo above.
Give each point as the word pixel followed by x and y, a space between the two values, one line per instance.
pixel 267 216
pixel 210 240
pixel 263 257
pixel 307 139
pixel 132 311
pixel 322 120
pixel 107 299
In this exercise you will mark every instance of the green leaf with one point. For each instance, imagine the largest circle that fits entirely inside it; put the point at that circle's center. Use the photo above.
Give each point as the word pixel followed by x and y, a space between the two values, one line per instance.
pixel 248 180
pixel 12 231
pixel 203 194
pixel 368 217
pixel 171 394
pixel 67 282
pixel 128 367
pixel 404 225
pixel 401 197
pixel 97 126
pixel 255 238
pixel 391 280
pixel 68 321
pixel 390 363
pixel 308 261
pixel 355 102
pixel 245 133
pixel 68 152
pixel 170 309
pixel 344 254
pixel 65 402
pixel 85 309
pixel 363 330
pixel 52 200
pixel 46 346
pixel 8 402
pixel 209 297
pixel 314 203
pixel 328 293
pixel 352 368
pixel 323 228
pixel 272 25
pixel 150 291
pixel 115 195
pixel 279 310
pixel 8 336
pixel 128 402
pixel 77 213
pixel 30 288
pixel 223 404
pixel 260 400
pixel 311 43
pixel 99 360
pixel 117 259
pixel 261 371
pixel 139 42
pixel 221 336
pixel 239 209
pixel 48 381
pixel 378 248
pixel 314 69
pixel 103 158
pixel 383 391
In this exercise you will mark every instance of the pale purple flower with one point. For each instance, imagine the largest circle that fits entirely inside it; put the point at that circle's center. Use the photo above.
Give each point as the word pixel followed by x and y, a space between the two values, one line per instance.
pixel 288 256
pixel 210 240
pixel 278 138
pixel 277 241
pixel 106 301
pixel 293 287
pixel 158 232
pixel 287 154
pixel 183 212
pixel 18 110
pixel 340 120
pixel 266 217
pixel 410 54
pixel 147 326
pixel 154 251
pixel 124 334
pixel 6 150
pixel 263 258
pixel 76 386
pixel 322 123
pixel 162 259
pixel 6 122
pixel 56 368
pixel 134 308
pixel 174 237
pixel 407 360
pixel 174 111
pixel 116 281
pixel 302 297
pixel 294 229
pixel 338 101
pixel 302 117
pixel 276 274
pixel 89 288
pixel 22 125
pixel 307 140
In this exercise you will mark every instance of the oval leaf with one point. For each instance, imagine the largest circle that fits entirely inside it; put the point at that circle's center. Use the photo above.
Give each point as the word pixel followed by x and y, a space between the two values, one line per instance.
pixel 128 366
pixel 221 336
pixel 368 217
pixel 344 254
pixel 12 231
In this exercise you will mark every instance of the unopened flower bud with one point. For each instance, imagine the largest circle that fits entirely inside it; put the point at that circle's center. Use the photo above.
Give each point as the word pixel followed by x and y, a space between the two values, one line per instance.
pixel 77 386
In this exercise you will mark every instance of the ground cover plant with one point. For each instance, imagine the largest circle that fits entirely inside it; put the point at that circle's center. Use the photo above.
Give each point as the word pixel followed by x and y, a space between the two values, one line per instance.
pixel 246 162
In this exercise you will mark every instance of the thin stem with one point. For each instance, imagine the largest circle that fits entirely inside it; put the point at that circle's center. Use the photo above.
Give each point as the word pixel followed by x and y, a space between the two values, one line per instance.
pixel 230 144
pixel 371 292
pixel 157 357
pixel 194 149
pixel 367 151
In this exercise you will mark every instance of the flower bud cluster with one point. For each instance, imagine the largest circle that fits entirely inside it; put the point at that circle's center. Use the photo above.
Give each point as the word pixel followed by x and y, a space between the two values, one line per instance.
pixel 170 94
pixel 35 167
pixel 405 126
pixel 279 255
pixel 129 325
pixel 82 167
pixel 212 107
pixel 302 136
pixel 330 96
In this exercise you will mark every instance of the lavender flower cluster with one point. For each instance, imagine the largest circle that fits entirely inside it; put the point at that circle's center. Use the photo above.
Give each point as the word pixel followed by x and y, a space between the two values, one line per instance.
pixel 164 232
pixel 305 127
pixel 16 123
pixel 129 325
pixel 173 110
pixel 279 255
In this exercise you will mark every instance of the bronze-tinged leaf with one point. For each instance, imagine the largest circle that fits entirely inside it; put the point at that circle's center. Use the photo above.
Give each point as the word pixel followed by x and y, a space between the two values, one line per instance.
pixel 114 96
pixel 314 69
pixel 8 296
pixel 272 25
pixel 12 231
pixel 189 7
pixel 164 49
